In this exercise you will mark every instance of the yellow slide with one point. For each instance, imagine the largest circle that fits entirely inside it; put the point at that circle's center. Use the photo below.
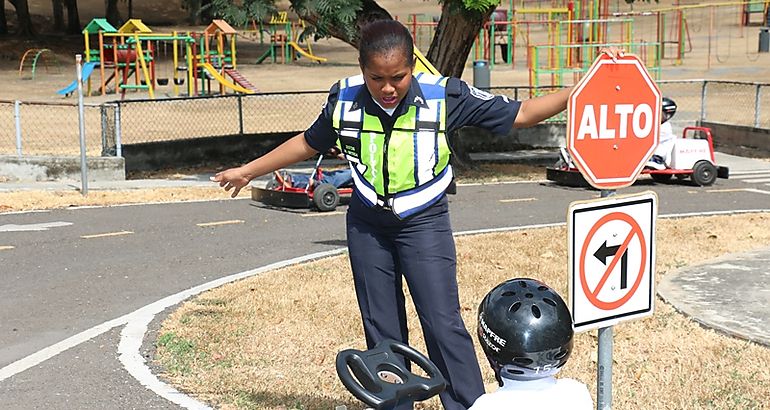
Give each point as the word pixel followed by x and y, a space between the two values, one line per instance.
pixel 306 54
pixel 422 65
pixel 224 81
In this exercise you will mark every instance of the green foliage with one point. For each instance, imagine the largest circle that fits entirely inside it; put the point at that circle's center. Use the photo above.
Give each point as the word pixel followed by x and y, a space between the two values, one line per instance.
pixel 473 8
pixel 480 5
pixel 333 15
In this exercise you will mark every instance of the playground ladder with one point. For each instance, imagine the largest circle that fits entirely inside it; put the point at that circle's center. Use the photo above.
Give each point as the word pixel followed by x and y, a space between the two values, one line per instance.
pixel 239 79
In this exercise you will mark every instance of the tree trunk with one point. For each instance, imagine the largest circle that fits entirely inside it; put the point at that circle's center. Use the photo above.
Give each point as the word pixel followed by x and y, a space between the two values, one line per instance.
pixel 455 34
pixel 23 18
pixel 58 15
pixel 370 11
pixel 112 14
pixel 3 20
pixel 73 17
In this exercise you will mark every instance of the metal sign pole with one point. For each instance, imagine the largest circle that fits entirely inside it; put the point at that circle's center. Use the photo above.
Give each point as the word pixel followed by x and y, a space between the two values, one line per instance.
pixel 81 120
pixel 604 359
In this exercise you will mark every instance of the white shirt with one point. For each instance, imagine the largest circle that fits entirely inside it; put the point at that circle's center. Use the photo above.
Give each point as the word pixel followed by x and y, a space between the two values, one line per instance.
pixel 548 393
pixel 389 111
pixel 666 142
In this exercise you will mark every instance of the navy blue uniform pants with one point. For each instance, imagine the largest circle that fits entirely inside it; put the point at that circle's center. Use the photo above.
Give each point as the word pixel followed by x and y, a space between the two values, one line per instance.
pixel 420 249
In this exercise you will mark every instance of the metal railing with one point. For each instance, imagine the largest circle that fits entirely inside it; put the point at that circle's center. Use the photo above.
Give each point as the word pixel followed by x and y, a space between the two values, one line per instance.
pixel 51 129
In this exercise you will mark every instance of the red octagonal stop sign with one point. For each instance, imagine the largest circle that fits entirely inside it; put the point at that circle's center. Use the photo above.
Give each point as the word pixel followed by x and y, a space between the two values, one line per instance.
pixel 613 120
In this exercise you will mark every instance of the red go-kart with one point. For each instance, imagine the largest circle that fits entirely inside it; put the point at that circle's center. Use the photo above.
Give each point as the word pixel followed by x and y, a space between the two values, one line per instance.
pixel 321 196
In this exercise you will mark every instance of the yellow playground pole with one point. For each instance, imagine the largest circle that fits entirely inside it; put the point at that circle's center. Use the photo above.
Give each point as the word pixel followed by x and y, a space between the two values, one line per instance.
pixel 175 57
pixel 143 63
pixel 190 84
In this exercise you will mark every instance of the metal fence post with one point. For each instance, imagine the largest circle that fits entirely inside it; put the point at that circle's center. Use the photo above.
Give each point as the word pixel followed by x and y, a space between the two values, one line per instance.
pixel 240 114
pixel 757 101
pixel 103 112
pixel 703 101
pixel 118 144
pixel 17 121
pixel 81 121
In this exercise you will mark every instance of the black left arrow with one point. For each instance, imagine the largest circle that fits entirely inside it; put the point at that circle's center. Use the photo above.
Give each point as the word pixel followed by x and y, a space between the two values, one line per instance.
pixel 605 252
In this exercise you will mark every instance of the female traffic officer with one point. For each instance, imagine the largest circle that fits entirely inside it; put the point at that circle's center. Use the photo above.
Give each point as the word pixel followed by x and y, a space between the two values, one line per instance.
pixel 393 127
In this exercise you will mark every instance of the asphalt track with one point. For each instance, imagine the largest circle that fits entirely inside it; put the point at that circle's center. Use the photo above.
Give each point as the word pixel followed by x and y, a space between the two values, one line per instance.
pixel 79 286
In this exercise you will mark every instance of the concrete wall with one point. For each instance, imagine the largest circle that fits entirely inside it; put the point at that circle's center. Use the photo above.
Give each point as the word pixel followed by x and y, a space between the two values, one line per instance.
pixel 33 169
pixel 228 150
pixel 740 140
pixel 233 150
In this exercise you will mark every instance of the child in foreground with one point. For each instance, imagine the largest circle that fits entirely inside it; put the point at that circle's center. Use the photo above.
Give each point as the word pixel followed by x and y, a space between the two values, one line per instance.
pixel 525 330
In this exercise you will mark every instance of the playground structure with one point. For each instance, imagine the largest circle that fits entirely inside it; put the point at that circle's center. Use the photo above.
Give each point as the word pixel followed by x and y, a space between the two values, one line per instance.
pixel 32 57
pixel 285 40
pixel 131 57
pixel 557 39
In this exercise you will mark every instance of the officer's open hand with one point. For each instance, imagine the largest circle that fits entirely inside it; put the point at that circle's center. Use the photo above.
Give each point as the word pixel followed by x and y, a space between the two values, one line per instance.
pixel 233 178
pixel 613 52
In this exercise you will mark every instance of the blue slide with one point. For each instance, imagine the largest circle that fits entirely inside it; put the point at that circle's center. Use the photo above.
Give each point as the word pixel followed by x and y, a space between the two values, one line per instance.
pixel 88 68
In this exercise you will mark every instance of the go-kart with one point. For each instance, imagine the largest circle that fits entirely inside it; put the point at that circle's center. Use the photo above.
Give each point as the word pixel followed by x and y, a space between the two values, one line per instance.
pixel 278 192
pixel 692 157
pixel 378 378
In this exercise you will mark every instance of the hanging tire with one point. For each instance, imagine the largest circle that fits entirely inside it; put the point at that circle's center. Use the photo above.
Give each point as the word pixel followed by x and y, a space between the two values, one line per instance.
pixel 661 178
pixel 704 173
pixel 325 197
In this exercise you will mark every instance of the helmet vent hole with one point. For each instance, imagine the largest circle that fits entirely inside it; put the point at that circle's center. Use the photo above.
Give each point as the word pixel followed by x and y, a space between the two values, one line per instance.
pixel 549 301
pixel 522 361
pixel 509 293
pixel 529 296
pixel 542 288
pixel 523 284
pixel 514 307
pixel 536 311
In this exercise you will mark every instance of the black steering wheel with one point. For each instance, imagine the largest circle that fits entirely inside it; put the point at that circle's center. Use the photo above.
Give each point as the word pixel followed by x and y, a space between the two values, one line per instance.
pixel 378 378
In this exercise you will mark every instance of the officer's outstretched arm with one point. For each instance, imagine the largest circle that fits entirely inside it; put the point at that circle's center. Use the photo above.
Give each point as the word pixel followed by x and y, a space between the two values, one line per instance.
pixel 294 150
pixel 537 109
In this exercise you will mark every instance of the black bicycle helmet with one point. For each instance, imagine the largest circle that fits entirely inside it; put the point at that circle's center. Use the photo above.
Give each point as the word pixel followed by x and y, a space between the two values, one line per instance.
pixel 525 330
pixel 669 109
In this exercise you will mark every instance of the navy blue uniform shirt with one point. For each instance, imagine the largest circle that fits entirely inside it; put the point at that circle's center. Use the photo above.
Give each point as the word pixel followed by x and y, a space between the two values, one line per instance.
pixel 466 106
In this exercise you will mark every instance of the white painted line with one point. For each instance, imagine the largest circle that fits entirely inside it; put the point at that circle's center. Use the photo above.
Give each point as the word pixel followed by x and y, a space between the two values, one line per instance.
pixel 753 190
pixel 749 173
pixel 6 247
pixel 106 235
pixel 757 181
pixel 230 222
pixel 33 227
pixel 518 200
pixel 747 176
pixel 726 190
pixel 539 181
pixel 322 214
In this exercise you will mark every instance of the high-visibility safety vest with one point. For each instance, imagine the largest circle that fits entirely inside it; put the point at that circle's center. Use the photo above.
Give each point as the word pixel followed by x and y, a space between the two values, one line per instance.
pixel 406 170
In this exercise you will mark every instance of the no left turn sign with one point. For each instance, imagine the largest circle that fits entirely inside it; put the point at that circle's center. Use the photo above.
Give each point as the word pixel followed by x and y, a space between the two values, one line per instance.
pixel 611 259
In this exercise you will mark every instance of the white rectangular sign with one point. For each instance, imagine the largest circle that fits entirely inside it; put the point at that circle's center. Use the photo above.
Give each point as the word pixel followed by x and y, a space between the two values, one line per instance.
pixel 611 250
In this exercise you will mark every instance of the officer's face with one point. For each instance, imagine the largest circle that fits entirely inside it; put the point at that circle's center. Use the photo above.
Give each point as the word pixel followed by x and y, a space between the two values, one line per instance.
pixel 388 76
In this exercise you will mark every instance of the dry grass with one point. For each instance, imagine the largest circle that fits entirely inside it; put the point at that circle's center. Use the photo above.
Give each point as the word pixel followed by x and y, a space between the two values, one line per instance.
pixel 37 200
pixel 269 342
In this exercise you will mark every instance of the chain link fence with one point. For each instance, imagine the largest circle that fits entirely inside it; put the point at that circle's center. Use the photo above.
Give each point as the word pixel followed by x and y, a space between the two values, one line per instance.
pixel 46 129
pixel 40 129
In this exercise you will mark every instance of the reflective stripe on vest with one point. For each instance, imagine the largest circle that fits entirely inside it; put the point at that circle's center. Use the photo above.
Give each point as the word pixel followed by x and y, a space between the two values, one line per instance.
pixel 407 170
